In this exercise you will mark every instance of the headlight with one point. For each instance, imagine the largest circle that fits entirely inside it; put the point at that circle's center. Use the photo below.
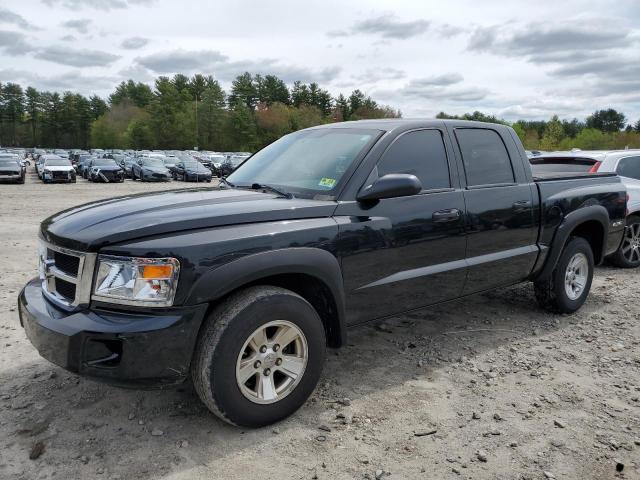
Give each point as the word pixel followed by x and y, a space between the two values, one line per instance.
pixel 47 171
pixel 136 281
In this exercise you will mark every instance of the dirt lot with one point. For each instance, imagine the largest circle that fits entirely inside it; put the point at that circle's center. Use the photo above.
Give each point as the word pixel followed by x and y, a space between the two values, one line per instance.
pixel 488 387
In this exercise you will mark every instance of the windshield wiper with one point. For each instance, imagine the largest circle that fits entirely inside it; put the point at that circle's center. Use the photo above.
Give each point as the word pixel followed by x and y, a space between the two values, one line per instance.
pixel 264 186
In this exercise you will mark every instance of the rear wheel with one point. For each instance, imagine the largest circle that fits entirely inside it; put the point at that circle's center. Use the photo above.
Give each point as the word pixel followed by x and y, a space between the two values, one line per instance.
pixel 259 356
pixel 568 287
pixel 628 255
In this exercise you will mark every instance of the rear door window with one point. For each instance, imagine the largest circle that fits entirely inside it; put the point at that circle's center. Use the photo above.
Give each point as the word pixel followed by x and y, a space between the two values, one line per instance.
pixel 629 167
pixel 421 153
pixel 485 157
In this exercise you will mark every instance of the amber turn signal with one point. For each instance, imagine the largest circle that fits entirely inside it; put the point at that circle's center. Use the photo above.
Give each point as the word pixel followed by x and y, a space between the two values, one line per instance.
pixel 157 271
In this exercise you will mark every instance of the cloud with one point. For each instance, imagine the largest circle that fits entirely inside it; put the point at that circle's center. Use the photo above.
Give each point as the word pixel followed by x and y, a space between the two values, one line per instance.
pixel 445 88
pixel 444 79
pixel 373 75
pixel 7 16
pixel 218 64
pixel 104 5
pixel 68 38
pixel 386 26
pixel 134 43
pixel 81 25
pixel 76 58
pixel 542 43
pixel 14 43
pixel 72 80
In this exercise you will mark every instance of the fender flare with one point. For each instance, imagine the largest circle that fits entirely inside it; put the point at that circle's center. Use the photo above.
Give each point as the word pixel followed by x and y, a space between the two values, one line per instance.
pixel 315 262
pixel 568 224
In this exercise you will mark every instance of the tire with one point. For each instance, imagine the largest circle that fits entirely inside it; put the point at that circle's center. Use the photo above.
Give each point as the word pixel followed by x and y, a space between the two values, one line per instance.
pixel 23 179
pixel 552 294
pixel 628 255
pixel 223 338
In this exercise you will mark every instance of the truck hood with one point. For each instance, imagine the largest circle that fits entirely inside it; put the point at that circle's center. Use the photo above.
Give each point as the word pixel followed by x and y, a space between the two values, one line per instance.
pixel 98 224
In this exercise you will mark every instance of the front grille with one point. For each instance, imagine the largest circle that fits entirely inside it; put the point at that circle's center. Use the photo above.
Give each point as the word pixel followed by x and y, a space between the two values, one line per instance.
pixel 159 175
pixel 66 289
pixel 9 173
pixel 66 275
pixel 67 263
pixel 60 175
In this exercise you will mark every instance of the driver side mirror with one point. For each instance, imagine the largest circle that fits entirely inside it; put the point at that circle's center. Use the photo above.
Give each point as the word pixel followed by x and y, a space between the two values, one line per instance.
pixel 391 186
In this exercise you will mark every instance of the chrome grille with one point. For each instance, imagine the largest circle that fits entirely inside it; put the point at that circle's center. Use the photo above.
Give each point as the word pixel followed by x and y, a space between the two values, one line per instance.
pixel 66 275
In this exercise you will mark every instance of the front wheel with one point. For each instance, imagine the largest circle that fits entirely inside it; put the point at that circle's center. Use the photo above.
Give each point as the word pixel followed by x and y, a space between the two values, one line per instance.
pixel 570 282
pixel 628 255
pixel 259 356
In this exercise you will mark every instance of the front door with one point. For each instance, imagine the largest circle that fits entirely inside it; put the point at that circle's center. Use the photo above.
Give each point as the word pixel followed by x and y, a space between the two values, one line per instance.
pixel 404 253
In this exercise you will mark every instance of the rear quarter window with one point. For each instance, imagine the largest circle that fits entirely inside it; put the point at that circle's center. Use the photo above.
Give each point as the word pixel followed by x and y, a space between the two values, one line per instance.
pixel 485 157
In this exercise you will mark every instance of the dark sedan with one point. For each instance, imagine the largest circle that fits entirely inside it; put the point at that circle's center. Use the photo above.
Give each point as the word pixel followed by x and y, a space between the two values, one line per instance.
pixel 149 169
pixel 105 170
pixel 191 171
pixel 11 170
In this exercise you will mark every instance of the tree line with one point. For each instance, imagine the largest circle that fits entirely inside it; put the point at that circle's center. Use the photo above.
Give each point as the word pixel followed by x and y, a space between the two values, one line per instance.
pixel 604 129
pixel 177 113
pixel 183 112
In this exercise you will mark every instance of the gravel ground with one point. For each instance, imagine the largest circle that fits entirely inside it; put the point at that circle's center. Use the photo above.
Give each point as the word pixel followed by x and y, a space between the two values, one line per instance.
pixel 486 387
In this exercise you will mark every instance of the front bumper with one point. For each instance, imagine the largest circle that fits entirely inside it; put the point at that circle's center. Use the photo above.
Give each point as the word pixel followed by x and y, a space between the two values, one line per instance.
pixel 11 178
pixel 131 349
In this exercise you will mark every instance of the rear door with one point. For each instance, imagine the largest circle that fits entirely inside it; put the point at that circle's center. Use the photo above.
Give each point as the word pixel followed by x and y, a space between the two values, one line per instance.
pixel 404 253
pixel 499 197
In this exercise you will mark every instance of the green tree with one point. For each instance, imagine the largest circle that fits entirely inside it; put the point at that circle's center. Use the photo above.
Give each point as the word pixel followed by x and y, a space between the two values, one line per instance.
pixel 553 134
pixel 139 93
pixel 13 107
pixel 33 112
pixel 608 120
pixel 243 92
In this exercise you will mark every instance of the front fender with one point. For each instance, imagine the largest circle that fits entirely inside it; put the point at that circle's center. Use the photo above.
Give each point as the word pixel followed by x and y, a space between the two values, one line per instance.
pixel 315 262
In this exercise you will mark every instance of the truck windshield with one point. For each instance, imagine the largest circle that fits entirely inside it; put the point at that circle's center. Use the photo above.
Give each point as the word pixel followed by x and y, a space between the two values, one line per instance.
pixel 306 163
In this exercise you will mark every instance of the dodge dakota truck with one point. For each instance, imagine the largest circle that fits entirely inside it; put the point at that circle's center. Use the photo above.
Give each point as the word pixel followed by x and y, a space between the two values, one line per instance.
pixel 242 287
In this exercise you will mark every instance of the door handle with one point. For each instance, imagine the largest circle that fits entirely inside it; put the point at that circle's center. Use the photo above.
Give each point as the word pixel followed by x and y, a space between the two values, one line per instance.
pixel 521 205
pixel 442 216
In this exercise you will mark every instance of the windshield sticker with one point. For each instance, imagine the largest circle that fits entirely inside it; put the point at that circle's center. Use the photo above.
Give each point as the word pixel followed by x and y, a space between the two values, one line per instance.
pixel 327 182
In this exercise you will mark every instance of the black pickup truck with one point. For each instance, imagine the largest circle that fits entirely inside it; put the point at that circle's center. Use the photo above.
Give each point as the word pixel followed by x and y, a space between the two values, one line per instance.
pixel 242 287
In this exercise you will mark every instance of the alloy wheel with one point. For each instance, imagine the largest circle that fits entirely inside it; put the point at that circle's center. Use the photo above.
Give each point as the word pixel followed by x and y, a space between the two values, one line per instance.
pixel 631 243
pixel 576 275
pixel 272 362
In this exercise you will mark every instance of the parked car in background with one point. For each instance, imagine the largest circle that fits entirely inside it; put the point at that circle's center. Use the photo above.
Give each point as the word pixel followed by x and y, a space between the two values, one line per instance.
pixel 229 164
pixel 82 163
pixel 626 163
pixel 56 169
pixel 150 169
pixel 11 169
pixel 41 160
pixel 105 170
pixel 191 171
pixel 127 164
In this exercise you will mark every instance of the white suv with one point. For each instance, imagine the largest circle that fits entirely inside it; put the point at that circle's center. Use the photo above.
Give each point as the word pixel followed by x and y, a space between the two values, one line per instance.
pixel 625 163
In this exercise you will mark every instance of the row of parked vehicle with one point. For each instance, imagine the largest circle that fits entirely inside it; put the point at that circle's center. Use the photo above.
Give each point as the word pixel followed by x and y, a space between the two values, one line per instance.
pixel 115 165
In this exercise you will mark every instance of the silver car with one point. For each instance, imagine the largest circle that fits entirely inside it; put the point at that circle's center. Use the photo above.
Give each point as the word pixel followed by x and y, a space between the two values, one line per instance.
pixel 626 163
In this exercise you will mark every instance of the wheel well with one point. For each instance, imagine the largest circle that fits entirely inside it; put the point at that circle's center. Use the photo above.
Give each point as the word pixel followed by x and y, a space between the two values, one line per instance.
pixel 314 291
pixel 593 232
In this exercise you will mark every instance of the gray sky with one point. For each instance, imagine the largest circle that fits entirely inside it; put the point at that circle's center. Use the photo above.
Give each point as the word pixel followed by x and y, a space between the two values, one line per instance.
pixel 516 59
